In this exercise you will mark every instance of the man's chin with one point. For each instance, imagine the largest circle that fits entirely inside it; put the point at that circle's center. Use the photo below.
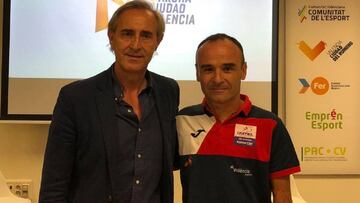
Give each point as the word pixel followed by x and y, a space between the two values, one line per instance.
pixel 134 60
pixel 135 67
pixel 217 100
pixel 215 94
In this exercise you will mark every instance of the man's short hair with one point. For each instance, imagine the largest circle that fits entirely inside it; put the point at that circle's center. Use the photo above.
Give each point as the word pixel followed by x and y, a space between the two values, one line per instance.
pixel 137 4
pixel 222 36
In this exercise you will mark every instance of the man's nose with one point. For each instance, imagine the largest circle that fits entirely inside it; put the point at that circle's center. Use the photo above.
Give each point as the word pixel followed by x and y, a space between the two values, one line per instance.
pixel 135 42
pixel 218 77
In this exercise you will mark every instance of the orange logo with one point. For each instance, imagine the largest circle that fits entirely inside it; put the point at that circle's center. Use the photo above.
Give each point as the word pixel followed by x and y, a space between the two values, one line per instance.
pixel 320 86
pixel 102 14
pixel 314 52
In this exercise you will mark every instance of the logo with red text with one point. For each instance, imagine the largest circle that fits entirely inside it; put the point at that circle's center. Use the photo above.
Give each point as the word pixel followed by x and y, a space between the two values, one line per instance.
pixel 330 120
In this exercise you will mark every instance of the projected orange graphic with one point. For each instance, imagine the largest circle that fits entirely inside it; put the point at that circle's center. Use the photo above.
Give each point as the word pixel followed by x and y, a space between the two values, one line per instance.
pixel 102 13
pixel 312 53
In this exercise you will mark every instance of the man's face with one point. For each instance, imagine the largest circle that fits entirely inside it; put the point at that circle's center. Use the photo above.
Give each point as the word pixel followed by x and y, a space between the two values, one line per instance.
pixel 134 40
pixel 220 70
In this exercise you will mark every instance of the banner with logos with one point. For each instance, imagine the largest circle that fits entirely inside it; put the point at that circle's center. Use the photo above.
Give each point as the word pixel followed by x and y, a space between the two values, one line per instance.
pixel 323 85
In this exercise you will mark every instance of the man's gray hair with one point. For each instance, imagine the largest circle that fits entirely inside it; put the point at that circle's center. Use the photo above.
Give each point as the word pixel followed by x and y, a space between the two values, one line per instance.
pixel 138 4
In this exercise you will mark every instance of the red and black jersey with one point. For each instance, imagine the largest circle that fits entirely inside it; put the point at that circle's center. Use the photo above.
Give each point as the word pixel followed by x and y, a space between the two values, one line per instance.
pixel 232 161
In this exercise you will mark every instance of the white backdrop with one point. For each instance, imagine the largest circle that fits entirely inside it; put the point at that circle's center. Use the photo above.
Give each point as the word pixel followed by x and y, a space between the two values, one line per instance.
pixel 55 42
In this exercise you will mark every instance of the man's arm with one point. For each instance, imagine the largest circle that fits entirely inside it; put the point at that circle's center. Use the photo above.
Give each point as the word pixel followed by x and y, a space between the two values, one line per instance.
pixel 281 190
pixel 59 154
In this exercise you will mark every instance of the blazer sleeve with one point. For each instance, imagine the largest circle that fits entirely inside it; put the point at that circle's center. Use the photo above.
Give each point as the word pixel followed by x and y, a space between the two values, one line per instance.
pixel 176 100
pixel 60 152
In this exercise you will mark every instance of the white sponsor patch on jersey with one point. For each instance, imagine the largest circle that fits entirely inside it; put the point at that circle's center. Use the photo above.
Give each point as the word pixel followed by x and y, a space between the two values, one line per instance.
pixel 245 135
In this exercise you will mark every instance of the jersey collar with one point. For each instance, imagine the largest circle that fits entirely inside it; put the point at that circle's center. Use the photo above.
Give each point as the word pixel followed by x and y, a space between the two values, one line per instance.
pixel 243 110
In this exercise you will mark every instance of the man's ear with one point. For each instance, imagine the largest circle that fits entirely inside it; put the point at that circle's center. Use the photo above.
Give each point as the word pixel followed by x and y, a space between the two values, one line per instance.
pixel 111 37
pixel 243 71
pixel 197 73
pixel 159 39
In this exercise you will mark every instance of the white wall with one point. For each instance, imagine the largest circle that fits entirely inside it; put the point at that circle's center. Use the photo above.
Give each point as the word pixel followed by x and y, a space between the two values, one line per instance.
pixel 22 148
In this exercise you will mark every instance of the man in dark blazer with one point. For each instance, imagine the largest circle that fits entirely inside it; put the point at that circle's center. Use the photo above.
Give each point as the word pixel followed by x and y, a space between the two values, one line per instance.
pixel 113 136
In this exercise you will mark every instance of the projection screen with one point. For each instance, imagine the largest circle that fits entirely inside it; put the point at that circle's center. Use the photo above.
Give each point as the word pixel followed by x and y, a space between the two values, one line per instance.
pixel 47 44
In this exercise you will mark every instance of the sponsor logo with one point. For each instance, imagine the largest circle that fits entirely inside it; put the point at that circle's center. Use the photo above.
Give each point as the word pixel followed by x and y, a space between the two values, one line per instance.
pixel 320 85
pixel 331 120
pixel 335 52
pixel 302 13
pixel 305 85
pixel 321 13
pixel 311 53
pixel 245 172
pixel 338 85
pixel 338 49
pixel 322 153
pixel 175 11
pixel 197 133
pixel 245 135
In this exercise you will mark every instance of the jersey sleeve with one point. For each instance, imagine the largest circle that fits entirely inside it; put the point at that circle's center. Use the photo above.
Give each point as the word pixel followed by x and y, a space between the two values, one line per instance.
pixel 283 159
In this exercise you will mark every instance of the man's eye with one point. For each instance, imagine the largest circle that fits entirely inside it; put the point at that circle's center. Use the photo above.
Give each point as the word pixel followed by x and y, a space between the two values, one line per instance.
pixel 207 70
pixel 126 34
pixel 147 35
pixel 228 68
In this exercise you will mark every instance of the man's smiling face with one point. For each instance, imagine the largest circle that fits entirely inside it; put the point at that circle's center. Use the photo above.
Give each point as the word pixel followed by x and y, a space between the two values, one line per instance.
pixel 134 40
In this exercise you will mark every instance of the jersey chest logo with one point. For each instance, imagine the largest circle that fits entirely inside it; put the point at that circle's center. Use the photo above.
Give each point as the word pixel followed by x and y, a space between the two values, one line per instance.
pixel 245 135
pixel 197 133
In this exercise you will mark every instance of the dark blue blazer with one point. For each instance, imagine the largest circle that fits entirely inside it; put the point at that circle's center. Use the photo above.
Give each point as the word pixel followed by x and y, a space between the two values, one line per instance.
pixel 80 163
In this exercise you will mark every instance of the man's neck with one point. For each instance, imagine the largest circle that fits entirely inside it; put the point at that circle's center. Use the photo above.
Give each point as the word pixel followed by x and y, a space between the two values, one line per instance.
pixel 131 81
pixel 132 84
pixel 223 111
